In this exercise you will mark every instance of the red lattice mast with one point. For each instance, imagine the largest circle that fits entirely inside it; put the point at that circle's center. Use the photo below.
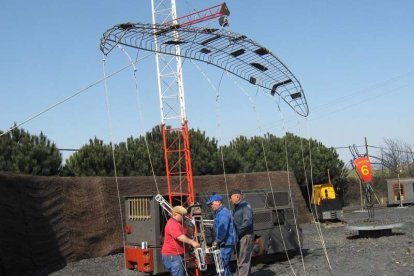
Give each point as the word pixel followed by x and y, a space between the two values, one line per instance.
pixel 174 124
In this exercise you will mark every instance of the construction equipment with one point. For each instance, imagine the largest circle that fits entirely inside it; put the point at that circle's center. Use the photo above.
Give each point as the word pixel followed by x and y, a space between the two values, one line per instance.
pixel 325 204
pixel 172 38
pixel 274 230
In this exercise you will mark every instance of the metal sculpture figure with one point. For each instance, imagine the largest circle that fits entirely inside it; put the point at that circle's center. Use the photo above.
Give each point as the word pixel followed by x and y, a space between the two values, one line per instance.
pixel 362 165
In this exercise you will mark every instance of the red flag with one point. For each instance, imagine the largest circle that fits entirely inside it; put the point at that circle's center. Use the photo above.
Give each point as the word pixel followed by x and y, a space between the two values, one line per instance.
pixel 363 168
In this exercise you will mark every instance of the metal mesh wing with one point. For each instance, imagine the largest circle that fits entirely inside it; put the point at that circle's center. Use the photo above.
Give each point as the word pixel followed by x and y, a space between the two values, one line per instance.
pixel 229 51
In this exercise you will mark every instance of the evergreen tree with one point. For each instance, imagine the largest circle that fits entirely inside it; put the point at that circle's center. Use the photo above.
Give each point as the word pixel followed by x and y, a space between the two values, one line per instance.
pixel 94 159
pixel 204 154
pixel 258 154
pixel 21 152
pixel 242 155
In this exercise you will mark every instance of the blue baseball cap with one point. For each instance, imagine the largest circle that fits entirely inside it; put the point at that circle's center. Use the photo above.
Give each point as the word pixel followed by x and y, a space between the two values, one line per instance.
pixel 215 198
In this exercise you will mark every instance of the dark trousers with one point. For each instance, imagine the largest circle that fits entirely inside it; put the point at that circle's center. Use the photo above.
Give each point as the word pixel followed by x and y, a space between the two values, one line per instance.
pixel 244 255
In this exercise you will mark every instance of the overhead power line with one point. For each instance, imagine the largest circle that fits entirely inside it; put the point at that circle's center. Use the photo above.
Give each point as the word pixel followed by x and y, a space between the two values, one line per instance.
pixel 370 146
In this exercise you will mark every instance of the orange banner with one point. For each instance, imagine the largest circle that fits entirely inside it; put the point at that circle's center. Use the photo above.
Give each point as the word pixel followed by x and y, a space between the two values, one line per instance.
pixel 363 168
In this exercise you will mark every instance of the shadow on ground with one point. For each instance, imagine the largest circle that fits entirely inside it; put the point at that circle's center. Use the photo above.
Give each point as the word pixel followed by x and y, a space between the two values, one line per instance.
pixel 373 235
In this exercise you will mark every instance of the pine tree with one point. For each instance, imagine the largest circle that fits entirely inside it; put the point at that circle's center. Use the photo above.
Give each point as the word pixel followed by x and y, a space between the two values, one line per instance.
pixel 21 152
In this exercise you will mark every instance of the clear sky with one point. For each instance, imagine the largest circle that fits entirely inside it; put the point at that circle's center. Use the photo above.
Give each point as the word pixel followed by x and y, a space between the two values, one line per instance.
pixel 354 59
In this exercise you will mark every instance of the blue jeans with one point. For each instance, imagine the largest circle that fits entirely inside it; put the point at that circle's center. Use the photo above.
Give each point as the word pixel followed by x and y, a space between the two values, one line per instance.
pixel 226 257
pixel 174 264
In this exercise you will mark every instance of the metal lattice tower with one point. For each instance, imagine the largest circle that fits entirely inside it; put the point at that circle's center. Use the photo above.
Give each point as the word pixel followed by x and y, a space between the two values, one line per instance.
pixel 172 105
pixel 172 39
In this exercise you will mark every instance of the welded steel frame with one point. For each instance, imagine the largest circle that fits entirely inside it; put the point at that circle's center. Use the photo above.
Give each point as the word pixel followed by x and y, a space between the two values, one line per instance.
pixel 172 106
pixel 229 51
pixel 201 15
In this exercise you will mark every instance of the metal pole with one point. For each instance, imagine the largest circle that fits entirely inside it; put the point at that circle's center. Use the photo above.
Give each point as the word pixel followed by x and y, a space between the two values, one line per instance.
pixel 366 146
pixel 399 184
pixel 360 192
pixel 329 177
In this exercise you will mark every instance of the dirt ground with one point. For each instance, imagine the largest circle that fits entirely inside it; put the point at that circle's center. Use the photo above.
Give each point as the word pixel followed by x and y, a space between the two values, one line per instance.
pixel 347 252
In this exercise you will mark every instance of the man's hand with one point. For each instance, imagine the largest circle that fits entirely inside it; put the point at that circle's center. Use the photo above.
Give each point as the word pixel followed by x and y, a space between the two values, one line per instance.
pixel 214 244
pixel 195 244
pixel 187 240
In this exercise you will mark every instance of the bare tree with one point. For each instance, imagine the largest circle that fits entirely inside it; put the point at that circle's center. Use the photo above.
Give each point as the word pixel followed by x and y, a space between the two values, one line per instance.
pixel 398 156
pixel 409 160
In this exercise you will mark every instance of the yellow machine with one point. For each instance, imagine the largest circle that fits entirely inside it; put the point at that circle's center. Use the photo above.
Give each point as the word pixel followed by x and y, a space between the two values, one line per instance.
pixel 325 204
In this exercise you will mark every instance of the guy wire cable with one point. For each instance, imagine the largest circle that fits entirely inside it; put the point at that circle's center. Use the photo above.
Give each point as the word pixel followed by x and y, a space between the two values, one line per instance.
pixel 220 149
pixel 289 184
pixel 317 224
pixel 146 142
pixel 290 191
pixel 67 98
pixel 113 153
pixel 268 173
pixel 137 91
pixel 145 137
pixel 217 90
pixel 270 182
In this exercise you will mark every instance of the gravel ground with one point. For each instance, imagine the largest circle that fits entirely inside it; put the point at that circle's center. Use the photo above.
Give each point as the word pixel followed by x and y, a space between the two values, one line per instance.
pixel 351 254
pixel 348 252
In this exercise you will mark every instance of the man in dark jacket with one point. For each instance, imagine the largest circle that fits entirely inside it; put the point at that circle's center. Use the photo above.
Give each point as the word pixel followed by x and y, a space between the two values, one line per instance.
pixel 243 221
pixel 225 234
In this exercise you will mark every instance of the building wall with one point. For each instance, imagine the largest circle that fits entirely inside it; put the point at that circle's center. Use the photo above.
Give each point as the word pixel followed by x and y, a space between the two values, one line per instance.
pixel 407 187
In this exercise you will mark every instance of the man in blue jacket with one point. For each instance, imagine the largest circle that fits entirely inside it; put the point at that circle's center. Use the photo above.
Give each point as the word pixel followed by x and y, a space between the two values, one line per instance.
pixel 225 234
pixel 243 221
